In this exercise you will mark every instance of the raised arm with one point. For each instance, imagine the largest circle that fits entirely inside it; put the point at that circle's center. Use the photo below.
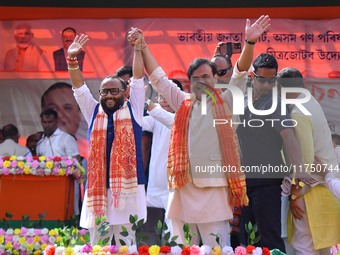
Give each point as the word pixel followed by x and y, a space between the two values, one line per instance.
pixel 252 32
pixel 75 48
pixel 137 41
pixel 150 62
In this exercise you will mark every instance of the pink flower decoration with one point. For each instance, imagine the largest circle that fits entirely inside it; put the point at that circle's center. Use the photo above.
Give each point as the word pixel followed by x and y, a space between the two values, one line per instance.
pixel 2 232
pixel 87 248
pixel 114 249
pixel 195 250
pixel 82 231
pixel 35 164
pixel 23 231
pixel 240 250
pixel 16 245
pixel 9 238
pixel 14 163
pixel 44 239
pixel 5 171
pixel 29 239
pixel 106 248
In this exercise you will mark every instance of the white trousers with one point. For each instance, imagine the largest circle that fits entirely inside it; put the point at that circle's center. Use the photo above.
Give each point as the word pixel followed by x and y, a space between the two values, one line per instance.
pixel 114 230
pixel 203 231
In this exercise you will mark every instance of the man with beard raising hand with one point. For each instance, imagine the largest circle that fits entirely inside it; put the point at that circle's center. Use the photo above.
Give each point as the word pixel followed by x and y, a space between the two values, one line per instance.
pixel 115 168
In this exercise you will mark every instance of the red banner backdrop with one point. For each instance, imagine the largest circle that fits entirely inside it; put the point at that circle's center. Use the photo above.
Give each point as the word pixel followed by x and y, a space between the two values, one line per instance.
pixel 312 46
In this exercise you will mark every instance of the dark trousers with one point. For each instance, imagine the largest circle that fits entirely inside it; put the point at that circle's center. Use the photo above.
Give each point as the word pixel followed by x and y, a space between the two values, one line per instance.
pixel 265 210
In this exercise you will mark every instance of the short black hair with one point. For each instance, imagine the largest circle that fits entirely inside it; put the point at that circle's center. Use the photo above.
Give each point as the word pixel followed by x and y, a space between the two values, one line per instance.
pixel 291 78
pixel 49 112
pixel 124 70
pixel 69 28
pixel 265 60
pixel 124 83
pixel 197 62
pixel 9 131
pixel 57 85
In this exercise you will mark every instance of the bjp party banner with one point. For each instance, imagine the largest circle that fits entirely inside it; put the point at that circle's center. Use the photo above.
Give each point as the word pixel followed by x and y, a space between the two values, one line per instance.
pixel 312 46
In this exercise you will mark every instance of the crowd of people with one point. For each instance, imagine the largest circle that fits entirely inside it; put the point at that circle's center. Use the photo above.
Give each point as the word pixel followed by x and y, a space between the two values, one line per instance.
pixel 295 211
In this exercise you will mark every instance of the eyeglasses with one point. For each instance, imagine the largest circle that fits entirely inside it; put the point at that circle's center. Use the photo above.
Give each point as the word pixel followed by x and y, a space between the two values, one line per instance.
pixel 113 91
pixel 263 80
pixel 223 71
pixel 159 97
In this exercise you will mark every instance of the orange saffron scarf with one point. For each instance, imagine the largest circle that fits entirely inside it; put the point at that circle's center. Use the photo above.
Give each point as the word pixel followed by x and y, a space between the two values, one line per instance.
pixel 123 167
pixel 178 159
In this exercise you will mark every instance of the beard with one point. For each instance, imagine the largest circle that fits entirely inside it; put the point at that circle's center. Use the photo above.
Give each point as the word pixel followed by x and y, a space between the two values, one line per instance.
pixel 118 103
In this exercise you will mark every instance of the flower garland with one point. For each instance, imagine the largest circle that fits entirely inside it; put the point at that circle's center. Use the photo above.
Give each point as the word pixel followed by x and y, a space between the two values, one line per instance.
pixel 42 166
pixel 24 241
pixel 72 241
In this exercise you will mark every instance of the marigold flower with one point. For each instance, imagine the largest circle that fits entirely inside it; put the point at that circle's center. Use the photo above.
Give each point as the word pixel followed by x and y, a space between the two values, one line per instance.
pixel 30 246
pixel 36 239
pixel 62 171
pixel 7 164
pixel 96 248
pixel 124 249
pixel 9 246
pixel 13 157
pixel 52 232
pixel 69 251
pixel 49 164
pixel 42 158
pixel 21 164
pixel 216 250
pixel 154 250
pixel 22 240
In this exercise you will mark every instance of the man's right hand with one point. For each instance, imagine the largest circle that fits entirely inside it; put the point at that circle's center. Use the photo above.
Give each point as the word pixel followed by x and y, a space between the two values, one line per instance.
pixel 77 45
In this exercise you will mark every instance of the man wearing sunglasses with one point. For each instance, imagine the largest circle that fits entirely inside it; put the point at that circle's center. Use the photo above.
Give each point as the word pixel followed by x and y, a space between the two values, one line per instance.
pixel 261 146
pixel 115 168
pixel 224 68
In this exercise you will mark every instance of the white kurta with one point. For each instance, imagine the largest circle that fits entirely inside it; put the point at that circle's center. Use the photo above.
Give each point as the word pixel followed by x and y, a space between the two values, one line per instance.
pixel 87 104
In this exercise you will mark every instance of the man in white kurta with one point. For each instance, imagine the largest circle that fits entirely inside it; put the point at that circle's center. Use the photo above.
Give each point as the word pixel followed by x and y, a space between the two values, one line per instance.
pixel 203 202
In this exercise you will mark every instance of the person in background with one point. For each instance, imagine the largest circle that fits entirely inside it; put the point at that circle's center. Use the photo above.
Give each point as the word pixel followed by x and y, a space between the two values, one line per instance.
pixel 315 211
pixel 56 142
pixel 159 123
pixel 115 169
pixel 125 73
pixel 32 142
pixel 10 145
pixel 59 97
pixel 224 68
pixel 59 56
pixel 26 56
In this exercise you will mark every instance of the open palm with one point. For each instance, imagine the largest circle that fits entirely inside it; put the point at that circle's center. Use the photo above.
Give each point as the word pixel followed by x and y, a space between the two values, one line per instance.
pixel 78 43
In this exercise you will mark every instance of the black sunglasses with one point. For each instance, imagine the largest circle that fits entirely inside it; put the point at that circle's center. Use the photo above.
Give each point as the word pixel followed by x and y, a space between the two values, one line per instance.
pixel 223 71
pixel 113 91
pixel 263 80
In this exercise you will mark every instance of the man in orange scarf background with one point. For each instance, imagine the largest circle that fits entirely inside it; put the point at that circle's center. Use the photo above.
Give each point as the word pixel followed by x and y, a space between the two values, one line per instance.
pixel 202 198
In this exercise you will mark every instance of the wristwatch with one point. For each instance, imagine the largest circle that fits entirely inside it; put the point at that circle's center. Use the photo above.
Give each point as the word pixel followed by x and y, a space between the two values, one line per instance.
pixel 293 197
pixel 147 102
